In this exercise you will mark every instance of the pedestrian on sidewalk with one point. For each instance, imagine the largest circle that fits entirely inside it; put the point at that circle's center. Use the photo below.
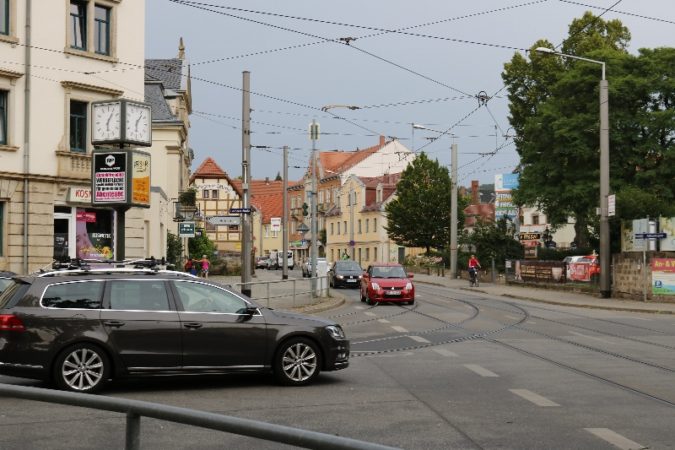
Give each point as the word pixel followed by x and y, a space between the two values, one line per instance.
pixel 204 264
pixel 187 266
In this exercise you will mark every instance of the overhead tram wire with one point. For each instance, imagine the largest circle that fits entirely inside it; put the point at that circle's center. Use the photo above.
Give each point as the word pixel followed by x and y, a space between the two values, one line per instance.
pixel 640 16
pixel 335 41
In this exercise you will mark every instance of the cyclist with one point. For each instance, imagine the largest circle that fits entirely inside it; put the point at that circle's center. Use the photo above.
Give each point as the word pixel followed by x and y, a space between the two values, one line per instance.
pixel 474 265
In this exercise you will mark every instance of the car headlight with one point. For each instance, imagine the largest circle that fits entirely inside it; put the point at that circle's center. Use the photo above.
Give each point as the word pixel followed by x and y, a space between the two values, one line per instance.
pixel 336 331
pixel 339 277
pixel 408 287
pixel 375 286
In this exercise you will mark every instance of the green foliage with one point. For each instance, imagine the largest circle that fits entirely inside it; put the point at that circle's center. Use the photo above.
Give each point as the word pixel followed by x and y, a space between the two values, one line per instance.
pixel 555 112
pixel 493 240
pixel 419 216
pixel 188 197
pixel 174 249
pixel 201 245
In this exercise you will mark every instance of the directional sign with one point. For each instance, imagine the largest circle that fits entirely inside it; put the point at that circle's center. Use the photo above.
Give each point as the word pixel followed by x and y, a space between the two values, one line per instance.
pixel 240 210
pixel 224 220
pixel 651 235
pixel 186 229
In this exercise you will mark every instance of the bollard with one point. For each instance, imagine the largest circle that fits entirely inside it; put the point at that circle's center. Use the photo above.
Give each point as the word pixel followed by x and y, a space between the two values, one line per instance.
pixel 133 434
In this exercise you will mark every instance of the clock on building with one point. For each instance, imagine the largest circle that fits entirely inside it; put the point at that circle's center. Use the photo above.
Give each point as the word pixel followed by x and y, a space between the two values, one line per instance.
pixel 121 122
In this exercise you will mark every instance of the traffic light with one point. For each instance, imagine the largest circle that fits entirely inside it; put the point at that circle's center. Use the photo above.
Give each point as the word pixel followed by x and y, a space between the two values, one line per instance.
pixel 305 211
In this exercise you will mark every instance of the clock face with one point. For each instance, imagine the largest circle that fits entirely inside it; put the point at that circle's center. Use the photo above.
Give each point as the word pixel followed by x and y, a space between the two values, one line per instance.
pixel 138 123
pixel 106 121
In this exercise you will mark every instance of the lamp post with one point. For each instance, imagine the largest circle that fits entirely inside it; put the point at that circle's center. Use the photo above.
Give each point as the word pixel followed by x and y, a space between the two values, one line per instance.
pixel 605 287
pixel 453 202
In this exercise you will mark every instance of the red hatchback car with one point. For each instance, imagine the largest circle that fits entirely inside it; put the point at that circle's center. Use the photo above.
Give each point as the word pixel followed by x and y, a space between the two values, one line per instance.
pixel 387 282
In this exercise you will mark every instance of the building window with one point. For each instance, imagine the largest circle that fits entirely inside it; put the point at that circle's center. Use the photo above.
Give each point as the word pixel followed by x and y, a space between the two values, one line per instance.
pixel 2 229
pixel 4 17
pixel 374 253
pixel 78 24
pixel 338 228
pixel 535 219
pixel 359 227
pixel 374 224
pixel 332 229
pixel 205 193
pixel 78 126
pixel 367 225
pixel 345 224
pixel 3 117
pixel 214 193
pixel 367 254
pixel 332 255
pixel 102 30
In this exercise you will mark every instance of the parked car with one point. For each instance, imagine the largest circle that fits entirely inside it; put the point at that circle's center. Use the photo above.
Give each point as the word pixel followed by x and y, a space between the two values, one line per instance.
pixel 290 262
pixel 345 273
pixel 387 282
pixel 5 279
pixel 81 328
pixel 307 266
pixel 261 262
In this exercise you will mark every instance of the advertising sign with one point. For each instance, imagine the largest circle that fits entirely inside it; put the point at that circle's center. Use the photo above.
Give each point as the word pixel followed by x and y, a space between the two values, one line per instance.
pixel 663 276
pixel 667 225
pixel 94 234
pixel 504 206
pixel 109 177
pixel 275 224
pixel 140 178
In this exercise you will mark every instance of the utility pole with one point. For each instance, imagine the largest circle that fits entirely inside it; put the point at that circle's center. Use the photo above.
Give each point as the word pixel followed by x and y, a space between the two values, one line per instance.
pixel 453 213
pixel 351 225
pixel 605 256
pixel 314 135
pixel 245 175
pixel 284 217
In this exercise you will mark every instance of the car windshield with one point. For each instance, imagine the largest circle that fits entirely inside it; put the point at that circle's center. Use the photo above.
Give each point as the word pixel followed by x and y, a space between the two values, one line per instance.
pixel 389 272
pixel 347 265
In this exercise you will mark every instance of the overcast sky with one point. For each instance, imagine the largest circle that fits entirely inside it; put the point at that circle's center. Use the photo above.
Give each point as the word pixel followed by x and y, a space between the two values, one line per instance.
pixel 429 72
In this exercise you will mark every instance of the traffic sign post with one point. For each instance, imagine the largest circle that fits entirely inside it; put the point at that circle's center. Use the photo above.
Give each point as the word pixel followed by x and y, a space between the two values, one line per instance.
pixel 651 235
pixel 224 220
pixel 240 210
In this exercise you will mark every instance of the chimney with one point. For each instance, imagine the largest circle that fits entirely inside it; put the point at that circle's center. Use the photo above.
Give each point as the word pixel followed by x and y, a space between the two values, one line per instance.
pixel 475 195
pixel 267 180
pixel 382 141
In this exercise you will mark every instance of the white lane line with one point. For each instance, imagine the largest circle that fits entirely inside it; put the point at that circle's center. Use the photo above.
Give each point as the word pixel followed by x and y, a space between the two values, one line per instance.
pixel 534 398
pixel 399 329
pixel 368 313
pixel 383 321
pixel 419 339
pixel 591 337
pixel 615 439
pixel 482 371
pixel 444 352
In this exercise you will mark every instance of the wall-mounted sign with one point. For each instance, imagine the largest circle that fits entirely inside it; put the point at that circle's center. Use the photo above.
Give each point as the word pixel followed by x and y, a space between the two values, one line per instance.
pixel 275 224
pixel 530 236
pixel 663 276
pixel 79 195
pixel 120 178
pixel 186 229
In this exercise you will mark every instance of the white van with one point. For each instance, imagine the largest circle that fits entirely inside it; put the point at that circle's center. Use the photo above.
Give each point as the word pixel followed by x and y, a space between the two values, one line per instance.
pixel 289 259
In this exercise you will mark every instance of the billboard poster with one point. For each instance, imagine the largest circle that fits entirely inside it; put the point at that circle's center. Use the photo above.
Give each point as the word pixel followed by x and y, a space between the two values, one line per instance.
pixel 504 206
pixel 663 276
pixel 94 234
pixel 109 178
pixel 275 224
pixel 140 178
pixel 667 225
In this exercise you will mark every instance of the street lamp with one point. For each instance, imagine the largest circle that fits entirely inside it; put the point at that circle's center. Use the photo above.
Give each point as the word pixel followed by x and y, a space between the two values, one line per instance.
pixel 453 200
pixel 605 287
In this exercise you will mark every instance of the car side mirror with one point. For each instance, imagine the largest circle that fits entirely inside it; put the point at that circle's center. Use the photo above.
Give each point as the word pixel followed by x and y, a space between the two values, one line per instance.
pixel 410 275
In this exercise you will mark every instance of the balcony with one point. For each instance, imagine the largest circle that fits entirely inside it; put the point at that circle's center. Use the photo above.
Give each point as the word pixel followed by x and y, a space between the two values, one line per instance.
pixel 73 165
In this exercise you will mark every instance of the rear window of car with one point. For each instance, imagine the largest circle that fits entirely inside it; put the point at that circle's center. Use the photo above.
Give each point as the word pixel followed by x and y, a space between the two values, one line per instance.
pixel 78 295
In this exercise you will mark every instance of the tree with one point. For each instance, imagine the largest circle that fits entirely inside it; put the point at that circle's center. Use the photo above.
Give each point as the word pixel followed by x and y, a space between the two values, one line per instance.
pixel 201 245
pixel 554 110
pixel 278 177
pixel 495 240
pixel 174 249
pixel 419 216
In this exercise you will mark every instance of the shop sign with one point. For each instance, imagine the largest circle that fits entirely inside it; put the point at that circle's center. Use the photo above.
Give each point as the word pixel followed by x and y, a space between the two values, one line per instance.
pixel 86 216
pixel 140 178
pixel 79 195
pixel 186 229
pixel 275 223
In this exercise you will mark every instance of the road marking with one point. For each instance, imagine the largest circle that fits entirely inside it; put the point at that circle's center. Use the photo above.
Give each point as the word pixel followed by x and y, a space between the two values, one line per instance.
pixel 591 337
pixel 534 398
pixel 383 321
pixel 615 439
pixel 419 339
pixel 399 329
pixel 444 352
pixel 367 313
pixel 512 317
pixel 482 371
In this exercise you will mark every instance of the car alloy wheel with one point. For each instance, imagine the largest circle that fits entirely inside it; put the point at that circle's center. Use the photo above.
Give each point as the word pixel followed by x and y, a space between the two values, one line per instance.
pixel 82 368
pixel 297 362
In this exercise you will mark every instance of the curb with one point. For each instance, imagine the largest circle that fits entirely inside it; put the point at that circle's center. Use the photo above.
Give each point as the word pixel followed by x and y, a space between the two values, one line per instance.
pixel 551 302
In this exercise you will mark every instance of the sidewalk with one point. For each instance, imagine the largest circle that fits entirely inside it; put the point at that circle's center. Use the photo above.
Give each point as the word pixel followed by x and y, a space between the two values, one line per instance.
pixel 550 296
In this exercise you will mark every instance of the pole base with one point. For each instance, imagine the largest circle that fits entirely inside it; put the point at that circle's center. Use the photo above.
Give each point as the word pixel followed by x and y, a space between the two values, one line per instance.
pixel 605 294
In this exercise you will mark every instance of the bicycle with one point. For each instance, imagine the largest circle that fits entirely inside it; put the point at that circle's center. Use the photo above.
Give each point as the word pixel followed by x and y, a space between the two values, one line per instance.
pixel 473 277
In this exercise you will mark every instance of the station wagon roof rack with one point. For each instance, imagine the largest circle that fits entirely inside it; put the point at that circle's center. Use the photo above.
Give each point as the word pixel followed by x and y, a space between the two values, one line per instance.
pixel 78 266
pixel 111 270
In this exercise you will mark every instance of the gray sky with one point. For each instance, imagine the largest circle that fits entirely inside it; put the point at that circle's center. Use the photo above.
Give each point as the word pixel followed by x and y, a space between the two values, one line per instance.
pixel 446 53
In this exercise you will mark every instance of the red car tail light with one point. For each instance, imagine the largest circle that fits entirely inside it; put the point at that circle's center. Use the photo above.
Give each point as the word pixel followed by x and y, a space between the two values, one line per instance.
pixel 9 322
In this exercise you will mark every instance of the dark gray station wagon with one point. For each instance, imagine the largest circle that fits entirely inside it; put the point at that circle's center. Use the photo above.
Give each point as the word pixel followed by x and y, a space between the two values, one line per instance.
pixel 80 328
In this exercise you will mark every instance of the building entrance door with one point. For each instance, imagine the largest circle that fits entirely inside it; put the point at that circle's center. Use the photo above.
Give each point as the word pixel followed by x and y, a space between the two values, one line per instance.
pixel 61 238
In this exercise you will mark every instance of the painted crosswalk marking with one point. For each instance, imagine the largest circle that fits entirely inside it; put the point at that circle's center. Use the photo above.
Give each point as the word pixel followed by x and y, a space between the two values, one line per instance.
pixel 419 339
pixel 534 398
pixel 383 321
pixel 482 371
pixel 444 352
pixel 368 313
pixel 399 329
pixel 615 439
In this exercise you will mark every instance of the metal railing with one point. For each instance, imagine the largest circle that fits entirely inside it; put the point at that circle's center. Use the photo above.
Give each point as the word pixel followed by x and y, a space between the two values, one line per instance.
pixel 135 409
pixel 298 291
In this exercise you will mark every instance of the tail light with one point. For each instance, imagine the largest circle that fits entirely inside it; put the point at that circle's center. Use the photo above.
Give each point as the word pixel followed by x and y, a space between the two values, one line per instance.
pixel 9 322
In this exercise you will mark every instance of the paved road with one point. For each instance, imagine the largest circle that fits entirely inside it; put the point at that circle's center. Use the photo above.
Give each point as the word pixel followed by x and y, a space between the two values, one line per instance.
pixel 461 369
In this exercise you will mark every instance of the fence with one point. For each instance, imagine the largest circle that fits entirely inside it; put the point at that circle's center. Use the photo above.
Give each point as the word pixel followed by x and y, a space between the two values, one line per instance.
pixel 289 293
pixel 135 409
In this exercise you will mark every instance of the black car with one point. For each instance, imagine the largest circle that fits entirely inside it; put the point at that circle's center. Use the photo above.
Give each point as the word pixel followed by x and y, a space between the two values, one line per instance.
pixel 346 273
pixel 5 280
pixel 81 328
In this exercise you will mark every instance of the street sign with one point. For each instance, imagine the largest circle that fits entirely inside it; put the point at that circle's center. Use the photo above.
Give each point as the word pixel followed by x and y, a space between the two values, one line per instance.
pixel 224 220
pixel 240 210
pixel 611 205
pixel 302 228
pixel 186 229
pixel 651 235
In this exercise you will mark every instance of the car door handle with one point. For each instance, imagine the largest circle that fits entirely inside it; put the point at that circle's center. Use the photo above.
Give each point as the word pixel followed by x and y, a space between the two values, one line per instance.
pixel 113 323
pixel 193 325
